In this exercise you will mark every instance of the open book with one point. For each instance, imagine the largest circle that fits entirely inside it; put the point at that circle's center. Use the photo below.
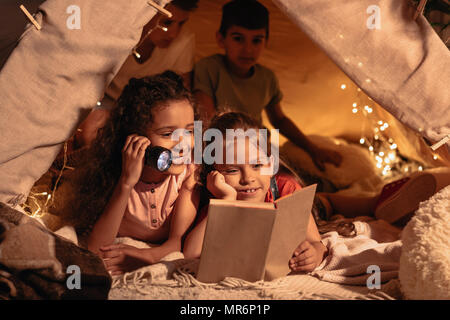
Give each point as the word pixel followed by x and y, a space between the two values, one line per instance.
pixel 254 240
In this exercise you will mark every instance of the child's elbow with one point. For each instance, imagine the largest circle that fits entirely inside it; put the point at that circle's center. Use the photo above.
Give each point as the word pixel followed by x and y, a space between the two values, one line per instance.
pixel 191 251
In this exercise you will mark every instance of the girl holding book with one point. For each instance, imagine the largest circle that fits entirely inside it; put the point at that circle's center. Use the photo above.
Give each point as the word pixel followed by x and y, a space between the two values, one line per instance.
pixel 248 182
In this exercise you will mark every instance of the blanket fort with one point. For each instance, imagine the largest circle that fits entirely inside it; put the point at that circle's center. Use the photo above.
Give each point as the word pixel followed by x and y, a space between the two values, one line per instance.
pixel 65 71
pixel 54 77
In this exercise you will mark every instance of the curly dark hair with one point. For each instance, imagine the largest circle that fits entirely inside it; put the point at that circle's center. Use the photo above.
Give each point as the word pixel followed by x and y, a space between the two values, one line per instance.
pixel 100 169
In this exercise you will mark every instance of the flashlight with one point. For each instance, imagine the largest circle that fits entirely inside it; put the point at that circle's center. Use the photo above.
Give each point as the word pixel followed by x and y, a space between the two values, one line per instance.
pixel 158 157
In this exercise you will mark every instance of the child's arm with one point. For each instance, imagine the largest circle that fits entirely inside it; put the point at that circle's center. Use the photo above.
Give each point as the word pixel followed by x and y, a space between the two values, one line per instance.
pixel 215 182
pixel 288 128
pixel 206 104
pixel 203 83
pixel 310 253
pixel 221 190
pixel 106 228
pixel 194 240
pixel 183 216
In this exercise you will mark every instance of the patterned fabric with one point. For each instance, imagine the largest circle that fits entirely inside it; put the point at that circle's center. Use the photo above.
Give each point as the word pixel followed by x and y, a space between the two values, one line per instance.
pixel 34 263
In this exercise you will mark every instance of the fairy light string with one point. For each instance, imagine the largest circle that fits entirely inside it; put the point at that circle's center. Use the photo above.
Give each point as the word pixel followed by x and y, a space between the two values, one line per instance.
pixel 375 136
pixel 38 203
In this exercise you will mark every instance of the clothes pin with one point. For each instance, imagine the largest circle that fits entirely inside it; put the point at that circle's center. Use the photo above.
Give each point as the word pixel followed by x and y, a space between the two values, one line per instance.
pixel 420 8
pixel 436 146
pixel 29 16
pixel 159 8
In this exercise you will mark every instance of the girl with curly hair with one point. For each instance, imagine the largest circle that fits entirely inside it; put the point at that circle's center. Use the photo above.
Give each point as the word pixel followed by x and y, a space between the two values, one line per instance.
pixel 136 200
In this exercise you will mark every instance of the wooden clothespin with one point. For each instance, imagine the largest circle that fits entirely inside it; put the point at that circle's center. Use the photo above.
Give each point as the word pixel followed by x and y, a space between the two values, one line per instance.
pixel 159 8
pixel 36 24
pixel 419 9
pixel 437 145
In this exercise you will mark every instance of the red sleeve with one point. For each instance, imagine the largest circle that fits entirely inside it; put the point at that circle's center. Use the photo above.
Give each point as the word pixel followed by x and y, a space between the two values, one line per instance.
pixel 286 185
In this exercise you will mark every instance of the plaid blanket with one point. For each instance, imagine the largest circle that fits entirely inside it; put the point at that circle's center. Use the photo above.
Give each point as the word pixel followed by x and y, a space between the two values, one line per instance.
pixel 38 264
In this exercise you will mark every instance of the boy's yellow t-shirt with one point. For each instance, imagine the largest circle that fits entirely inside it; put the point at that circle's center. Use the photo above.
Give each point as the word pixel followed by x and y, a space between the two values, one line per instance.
pixel 228 91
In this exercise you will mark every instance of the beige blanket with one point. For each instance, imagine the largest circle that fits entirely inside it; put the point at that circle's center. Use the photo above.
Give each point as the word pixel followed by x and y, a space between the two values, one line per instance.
pixel 352 260
pixel 342 275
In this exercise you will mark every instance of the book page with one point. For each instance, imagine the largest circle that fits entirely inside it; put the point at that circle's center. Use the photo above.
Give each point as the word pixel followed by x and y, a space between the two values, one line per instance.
pixel 291 223
pixel 236 241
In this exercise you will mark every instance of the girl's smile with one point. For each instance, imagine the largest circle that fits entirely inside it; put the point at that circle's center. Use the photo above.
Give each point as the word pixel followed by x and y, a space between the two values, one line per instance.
pixel 247 179
pixel 249 193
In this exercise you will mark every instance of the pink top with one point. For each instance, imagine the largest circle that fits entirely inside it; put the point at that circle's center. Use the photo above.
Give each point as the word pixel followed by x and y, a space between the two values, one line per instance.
pixel 149 208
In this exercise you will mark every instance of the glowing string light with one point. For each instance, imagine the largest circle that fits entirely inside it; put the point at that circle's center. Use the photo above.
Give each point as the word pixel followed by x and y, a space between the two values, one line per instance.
pixel 42 210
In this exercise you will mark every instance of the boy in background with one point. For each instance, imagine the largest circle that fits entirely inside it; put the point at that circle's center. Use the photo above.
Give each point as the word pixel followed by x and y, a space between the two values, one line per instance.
pixel 236 80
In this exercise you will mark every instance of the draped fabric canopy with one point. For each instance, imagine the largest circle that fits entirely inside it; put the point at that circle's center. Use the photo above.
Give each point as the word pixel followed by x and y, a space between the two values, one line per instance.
pixel 404 66
pixel 54 76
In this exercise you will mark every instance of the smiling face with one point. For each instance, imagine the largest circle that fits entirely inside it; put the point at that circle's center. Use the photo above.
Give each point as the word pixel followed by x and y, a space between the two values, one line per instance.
pixel 161 38
pixel 247 178
pixel 243 48
pixel 174 115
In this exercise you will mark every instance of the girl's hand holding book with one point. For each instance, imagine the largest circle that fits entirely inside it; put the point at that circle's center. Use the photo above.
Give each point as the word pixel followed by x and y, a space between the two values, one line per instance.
pixel 307 256
pixel 133 154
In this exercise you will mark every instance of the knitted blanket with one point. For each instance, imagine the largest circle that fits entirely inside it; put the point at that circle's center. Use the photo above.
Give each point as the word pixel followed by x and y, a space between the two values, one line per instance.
pixel 342 275
pixel 353 260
